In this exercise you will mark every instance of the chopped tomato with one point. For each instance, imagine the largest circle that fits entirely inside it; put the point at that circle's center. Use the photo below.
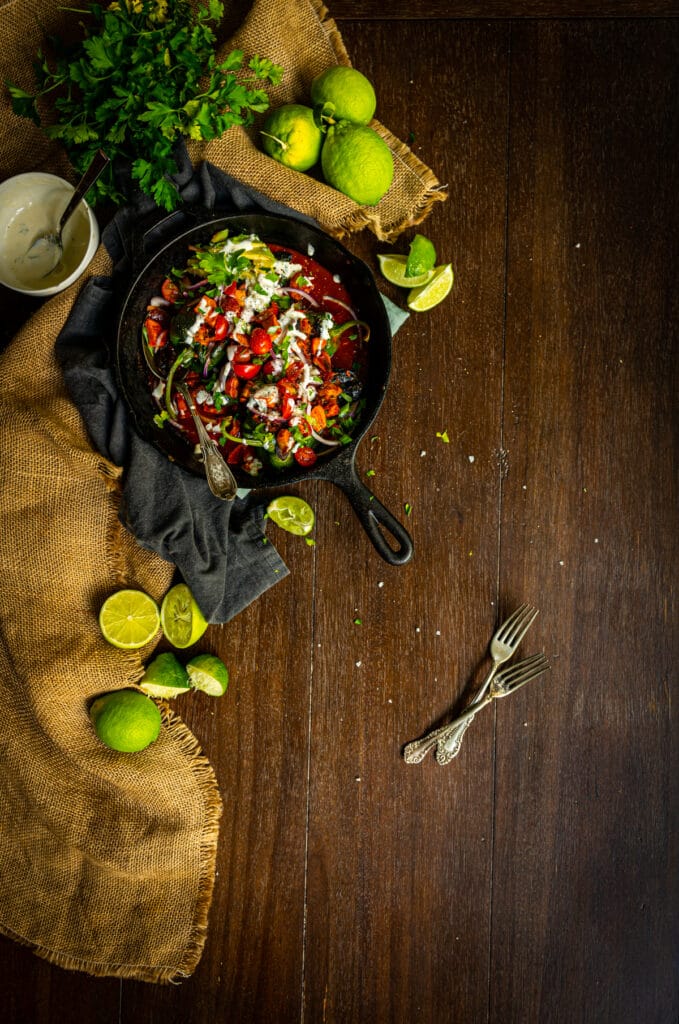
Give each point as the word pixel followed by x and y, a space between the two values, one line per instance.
pixel 287 407
pixel 155 332
pixel 284 441
pixel 317 418
pixel 169 290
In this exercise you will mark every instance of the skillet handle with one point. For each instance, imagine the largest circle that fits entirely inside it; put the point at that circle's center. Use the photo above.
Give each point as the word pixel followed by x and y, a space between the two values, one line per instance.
pixel 375 519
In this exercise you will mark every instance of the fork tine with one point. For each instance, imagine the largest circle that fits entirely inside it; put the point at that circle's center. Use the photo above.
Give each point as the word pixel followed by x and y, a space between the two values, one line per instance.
pixel 506 675
pixel 509 623
pixel 521 627
pixel 521 673
pixel 532 673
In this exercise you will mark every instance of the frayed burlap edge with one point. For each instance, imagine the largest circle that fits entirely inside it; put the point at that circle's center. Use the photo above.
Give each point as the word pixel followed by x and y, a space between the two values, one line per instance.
pixel 117 557
pixel 162 974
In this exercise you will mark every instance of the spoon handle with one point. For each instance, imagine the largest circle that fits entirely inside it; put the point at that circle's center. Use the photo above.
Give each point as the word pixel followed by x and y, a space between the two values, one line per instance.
pixel 99 162
pixel 221 480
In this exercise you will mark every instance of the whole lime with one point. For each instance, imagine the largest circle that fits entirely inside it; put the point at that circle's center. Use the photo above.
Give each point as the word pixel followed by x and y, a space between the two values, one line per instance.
pixel 350 93
pixel 125 720
pixel 358 162
pixel 291 136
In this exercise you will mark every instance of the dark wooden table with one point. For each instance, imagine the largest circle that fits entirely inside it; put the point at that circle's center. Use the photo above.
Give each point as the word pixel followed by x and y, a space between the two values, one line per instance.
pixel 534 879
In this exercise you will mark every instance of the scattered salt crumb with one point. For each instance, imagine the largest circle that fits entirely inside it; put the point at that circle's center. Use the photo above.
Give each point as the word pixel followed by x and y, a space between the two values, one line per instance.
pixel 357 779
pixel 524 487
pixel 336 278
pixel 438 632
pixel 381 583
pixel 422 453
pixel 417 629
pixel 471 458
pixel 577 245
pixel 358 664
pixel 561 563
pixel 310 249
pixel 525 724
pixel 596 540
pixel 389 700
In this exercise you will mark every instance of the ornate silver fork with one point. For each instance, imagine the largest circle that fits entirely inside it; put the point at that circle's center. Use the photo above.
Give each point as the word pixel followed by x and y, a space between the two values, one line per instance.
pixel 504 643
pixel 505 682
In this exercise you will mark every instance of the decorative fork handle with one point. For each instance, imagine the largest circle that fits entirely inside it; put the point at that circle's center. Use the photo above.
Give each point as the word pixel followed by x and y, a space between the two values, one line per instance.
pixel 416 751
pixel 449 744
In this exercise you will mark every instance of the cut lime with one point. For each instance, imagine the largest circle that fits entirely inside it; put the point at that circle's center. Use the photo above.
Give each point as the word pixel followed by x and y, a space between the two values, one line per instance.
pixel 125 720
pixel 434 291
pixel 421 256
pixel 393 268
pixel 165 677
pixel 208 673
pixel 129 619
pixel 292 514
pixel 182 620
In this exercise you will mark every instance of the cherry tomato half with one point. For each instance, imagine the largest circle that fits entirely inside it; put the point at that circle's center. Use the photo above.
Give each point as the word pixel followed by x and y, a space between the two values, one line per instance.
pixel 304 457
pixel 246 371
pixel 221 325
pixel 260 342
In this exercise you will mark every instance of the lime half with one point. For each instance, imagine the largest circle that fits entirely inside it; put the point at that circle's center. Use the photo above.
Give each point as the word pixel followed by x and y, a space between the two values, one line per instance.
pixel 393 268
pixel 208 673
pixel 125 720
pixel 434 291
pixel 292 514
pixel 182 620
pixel 129 619
pixel 421 256
pixel 165 677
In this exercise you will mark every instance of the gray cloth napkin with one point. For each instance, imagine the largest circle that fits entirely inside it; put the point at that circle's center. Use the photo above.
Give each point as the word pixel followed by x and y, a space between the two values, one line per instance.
pixel 219 548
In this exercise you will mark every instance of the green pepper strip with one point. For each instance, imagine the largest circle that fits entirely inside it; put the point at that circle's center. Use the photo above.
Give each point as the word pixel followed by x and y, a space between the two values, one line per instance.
pixel 182 358
pixel 332 345
pixel 243 440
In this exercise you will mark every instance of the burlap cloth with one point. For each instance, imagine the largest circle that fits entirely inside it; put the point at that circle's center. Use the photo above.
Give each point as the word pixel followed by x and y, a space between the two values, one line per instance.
pixel 107 860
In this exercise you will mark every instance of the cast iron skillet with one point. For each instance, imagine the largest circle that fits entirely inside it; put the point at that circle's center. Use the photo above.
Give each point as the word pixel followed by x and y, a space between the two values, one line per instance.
pixel 338 466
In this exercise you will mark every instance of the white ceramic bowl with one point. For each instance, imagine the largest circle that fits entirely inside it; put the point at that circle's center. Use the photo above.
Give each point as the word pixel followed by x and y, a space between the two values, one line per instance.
pixel 30 204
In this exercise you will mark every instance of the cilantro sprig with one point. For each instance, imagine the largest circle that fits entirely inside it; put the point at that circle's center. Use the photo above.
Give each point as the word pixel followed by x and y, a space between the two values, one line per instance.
pixel 144 76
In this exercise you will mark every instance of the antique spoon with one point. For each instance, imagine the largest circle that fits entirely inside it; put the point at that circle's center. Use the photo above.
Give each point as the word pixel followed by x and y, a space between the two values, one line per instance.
pixel 48 246
pixel 220 479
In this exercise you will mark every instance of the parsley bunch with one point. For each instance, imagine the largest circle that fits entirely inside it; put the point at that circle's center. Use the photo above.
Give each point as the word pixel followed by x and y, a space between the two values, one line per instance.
pixel 144 75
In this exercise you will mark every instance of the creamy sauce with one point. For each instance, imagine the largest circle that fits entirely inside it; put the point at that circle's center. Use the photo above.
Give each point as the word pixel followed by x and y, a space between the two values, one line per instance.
pixel 20 230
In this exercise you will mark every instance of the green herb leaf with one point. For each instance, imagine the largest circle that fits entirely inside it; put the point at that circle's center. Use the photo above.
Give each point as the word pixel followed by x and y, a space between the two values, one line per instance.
pixel 143 75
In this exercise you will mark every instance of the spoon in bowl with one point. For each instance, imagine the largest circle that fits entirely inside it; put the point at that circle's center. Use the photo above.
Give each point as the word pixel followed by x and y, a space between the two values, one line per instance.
pixel 48 246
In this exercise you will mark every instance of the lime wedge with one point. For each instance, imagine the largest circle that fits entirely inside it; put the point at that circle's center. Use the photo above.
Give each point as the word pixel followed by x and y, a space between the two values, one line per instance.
pixel 129 619
pixel 208 673
pixel 393 268
pixel 165 677
pixel 434 291
pixel 421 256
pixel 182 620
pixel 292 514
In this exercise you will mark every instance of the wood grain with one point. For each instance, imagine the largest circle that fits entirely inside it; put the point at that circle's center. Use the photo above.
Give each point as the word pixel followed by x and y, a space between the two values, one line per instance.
pixel 534 879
